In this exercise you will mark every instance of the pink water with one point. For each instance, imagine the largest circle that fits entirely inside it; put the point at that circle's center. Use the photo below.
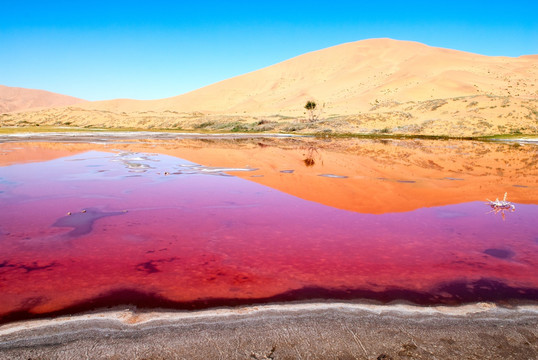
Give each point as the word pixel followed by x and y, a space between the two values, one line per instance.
pixel 156 231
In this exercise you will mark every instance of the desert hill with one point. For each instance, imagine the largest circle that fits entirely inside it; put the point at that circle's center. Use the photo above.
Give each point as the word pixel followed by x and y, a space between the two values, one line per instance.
pixel 20 99
pixel 377 85
pixel 349 78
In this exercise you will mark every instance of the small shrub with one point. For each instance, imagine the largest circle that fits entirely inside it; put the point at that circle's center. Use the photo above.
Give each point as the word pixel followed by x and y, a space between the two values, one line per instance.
pixel 205 124
pixel 384 131
pixel 294 127
pixel 240 128
pixel 310 107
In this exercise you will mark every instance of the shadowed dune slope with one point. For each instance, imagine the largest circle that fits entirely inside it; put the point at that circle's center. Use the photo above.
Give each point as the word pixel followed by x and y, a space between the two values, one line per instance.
pixel 19 99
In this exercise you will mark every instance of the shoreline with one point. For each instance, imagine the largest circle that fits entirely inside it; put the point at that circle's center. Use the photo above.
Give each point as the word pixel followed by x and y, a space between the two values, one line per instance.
pixel 131 315
pixel 79 134
pixel 299 330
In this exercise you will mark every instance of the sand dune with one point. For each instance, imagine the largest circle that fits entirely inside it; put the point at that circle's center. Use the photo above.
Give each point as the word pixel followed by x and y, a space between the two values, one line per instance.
pixel 19 99
pixel 349 78
pixel 368 86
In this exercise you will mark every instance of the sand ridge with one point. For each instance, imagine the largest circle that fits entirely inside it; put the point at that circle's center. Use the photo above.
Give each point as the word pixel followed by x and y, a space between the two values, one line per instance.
pixel 348 77
pixel 14 99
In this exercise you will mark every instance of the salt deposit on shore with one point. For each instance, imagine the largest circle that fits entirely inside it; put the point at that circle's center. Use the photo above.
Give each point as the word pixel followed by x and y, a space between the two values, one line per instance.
pixel 300 330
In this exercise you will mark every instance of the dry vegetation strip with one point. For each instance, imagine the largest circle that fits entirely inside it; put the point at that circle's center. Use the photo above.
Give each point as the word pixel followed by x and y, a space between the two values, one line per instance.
pixel 471 116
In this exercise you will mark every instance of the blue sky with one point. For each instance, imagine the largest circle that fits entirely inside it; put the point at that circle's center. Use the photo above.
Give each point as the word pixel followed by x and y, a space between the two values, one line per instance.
pixel 147 50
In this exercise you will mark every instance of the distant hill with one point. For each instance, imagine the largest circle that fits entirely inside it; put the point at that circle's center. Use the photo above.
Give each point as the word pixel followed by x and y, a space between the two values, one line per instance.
pixel 20 99
pixel 368 86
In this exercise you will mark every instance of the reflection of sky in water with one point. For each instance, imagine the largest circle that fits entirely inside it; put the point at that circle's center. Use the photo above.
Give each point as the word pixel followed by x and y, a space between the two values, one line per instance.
pixel 79 227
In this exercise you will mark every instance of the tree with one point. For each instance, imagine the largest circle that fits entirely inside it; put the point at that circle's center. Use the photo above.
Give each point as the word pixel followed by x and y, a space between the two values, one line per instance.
pixel 310 107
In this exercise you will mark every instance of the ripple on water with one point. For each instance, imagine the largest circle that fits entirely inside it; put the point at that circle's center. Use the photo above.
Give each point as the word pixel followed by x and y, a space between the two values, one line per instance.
pixel 334 176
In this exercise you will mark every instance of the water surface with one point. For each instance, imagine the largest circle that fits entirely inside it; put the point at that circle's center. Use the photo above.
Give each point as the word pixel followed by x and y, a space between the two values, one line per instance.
pixel 193 223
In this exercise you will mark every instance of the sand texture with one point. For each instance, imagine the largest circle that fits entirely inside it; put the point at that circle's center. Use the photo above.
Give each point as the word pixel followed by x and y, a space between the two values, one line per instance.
pixel 297 331
pixel 370 86
pixel 14 99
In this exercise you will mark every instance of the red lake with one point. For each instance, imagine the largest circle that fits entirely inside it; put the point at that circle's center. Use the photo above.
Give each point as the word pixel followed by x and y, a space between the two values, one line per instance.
pixel 102 220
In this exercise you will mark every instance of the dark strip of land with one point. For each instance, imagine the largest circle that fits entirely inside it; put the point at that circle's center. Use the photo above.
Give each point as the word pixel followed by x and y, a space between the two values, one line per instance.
pixel 297 331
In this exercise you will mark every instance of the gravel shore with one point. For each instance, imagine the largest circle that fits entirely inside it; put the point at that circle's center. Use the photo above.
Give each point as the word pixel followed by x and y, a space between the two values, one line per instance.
pixel 286 331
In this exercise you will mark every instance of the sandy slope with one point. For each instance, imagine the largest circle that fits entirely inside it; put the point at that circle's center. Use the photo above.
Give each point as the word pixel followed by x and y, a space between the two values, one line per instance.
pixel 349 78
pixel 377 85
pixel 20 99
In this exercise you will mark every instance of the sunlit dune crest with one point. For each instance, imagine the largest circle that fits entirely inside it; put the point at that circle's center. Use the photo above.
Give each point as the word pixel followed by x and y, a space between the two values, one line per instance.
pixel 19 99
pixel 351 76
